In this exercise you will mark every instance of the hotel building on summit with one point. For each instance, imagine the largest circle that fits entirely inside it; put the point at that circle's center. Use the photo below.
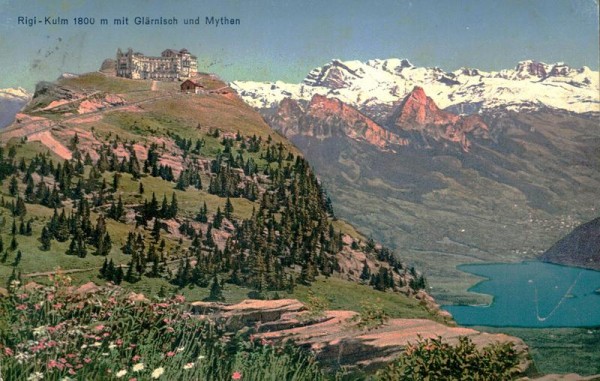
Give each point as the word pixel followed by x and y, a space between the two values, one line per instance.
pixel 172 65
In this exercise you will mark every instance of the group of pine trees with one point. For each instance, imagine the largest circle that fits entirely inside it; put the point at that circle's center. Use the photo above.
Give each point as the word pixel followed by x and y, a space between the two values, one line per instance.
pixel 288 239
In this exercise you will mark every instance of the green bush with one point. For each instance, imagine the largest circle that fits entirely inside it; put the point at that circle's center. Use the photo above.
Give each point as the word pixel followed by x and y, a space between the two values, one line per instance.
pixel 371 315
pixel 433 359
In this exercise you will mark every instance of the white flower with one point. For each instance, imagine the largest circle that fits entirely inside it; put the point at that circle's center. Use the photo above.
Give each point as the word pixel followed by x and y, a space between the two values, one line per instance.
pixel 39 330
pixel 158 372
pixel 112 346
pixel 189 365
pixel 36 376
pixel 138 367
pixel 21 357
pixel 67 379
pixel 97 344
pixel 121 373
pixel 84 346
pixel 180 349
pixel 201 357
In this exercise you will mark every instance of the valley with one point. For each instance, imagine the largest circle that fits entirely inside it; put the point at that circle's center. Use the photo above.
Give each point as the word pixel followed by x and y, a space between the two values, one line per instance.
pixel 439 190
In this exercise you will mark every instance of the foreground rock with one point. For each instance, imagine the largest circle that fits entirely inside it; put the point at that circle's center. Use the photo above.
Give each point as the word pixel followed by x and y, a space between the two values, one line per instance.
pixel 334 335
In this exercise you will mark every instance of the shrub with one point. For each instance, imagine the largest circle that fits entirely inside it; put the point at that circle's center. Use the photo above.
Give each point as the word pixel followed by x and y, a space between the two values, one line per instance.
pixel 433 359
pixel 315 305
pixel 371 315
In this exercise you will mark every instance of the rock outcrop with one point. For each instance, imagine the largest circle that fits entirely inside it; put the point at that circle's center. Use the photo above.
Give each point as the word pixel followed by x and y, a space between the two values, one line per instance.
pixel 334 335
pixel 418 112
pixel 325 117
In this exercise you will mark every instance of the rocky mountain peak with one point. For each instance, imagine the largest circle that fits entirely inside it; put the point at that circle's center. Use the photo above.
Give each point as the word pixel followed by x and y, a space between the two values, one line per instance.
pixel 418 112
pixel 335 75
pixel 417 109
pixel 529 68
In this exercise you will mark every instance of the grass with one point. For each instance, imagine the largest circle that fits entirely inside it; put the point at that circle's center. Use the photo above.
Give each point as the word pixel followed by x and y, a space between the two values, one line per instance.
pixel 346 295
pixel 559 350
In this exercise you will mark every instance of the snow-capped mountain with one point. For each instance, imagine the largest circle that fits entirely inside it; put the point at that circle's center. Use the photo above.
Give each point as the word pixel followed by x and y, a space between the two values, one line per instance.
pixel 11 102
pixel 374 86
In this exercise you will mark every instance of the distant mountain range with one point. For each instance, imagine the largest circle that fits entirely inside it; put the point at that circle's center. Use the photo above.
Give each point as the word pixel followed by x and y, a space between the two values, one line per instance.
pixel 448 168
pixel 11 101
pixel 373 87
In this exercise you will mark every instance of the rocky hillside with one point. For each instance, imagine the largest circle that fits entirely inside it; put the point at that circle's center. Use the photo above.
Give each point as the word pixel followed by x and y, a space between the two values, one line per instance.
pixel 139 184
pixel 579 248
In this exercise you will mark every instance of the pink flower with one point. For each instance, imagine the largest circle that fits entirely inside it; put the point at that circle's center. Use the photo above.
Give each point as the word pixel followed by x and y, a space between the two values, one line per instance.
pixel 22 307
pixel 8 352
pixel 58 306
pixel 52 364
pixel 136 358
pixel 170 354
pixel 37 307
pixel 72 372
pixel 133 379
pixel 170 330
pixel 180 298
pixel 99 327
pixel 50 297
pixel 23 296
pixel 62 360
pixel 119 342
pixel 87 360
pixel 236 376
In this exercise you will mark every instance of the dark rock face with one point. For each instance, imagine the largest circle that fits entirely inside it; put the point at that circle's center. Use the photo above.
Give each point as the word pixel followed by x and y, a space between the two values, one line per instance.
pixel 579 248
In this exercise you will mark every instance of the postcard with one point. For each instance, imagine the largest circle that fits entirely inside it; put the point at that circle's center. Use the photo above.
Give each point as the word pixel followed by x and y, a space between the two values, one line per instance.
pixel 299 190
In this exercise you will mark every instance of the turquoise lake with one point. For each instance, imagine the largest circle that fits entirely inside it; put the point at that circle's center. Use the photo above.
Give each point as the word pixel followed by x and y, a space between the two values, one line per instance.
pixel 532 294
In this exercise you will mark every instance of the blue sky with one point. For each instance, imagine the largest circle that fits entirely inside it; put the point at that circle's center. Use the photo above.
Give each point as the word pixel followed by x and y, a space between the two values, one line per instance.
pixel 283 40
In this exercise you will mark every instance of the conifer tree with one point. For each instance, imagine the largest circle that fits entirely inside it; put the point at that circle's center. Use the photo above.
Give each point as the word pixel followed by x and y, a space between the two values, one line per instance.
pixel 116 180
pixel 104 268
pixel 20 209
pixel 13 187
pixel 173 208
pixel 228 209
pixel 202 216
pixel 216 292
pixel 366 272
pixel 18 258
pixel 217 219
pixel 13 244
pixel 164 209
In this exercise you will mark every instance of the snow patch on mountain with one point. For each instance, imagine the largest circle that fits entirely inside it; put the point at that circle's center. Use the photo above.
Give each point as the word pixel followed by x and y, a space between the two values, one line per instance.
pixel 11 102
pixel 381 83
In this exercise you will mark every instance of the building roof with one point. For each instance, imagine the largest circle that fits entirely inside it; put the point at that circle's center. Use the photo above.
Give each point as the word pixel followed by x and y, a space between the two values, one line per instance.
pixel 195 83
